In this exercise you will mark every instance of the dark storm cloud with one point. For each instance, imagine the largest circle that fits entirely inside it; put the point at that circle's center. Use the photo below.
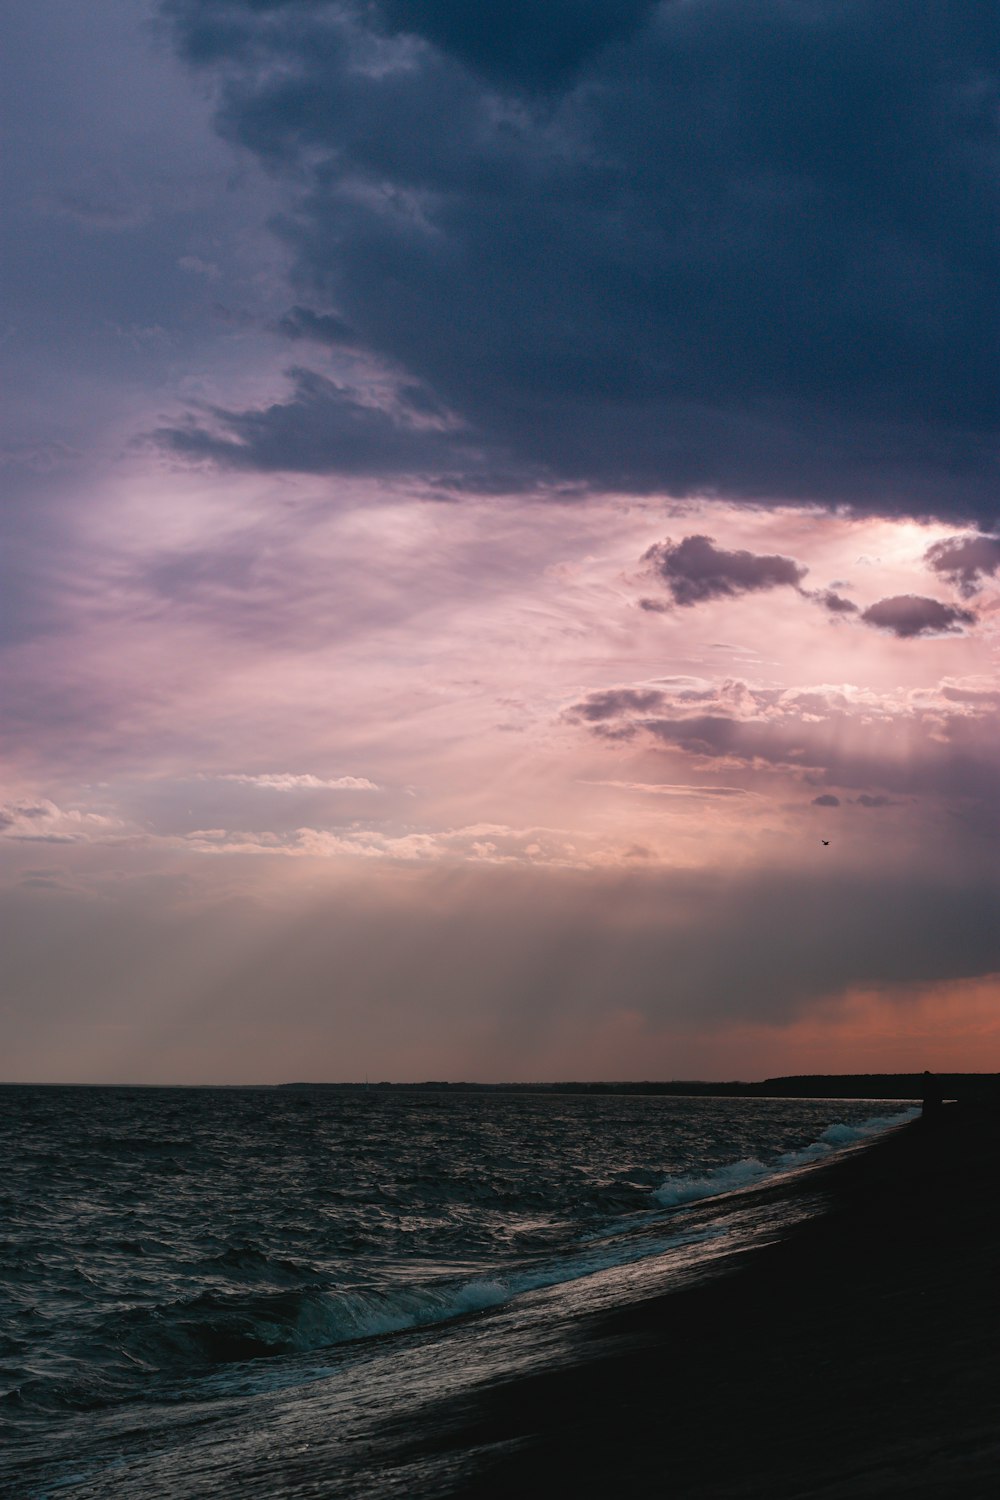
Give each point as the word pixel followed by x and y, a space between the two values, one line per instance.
pixel 322 328
pixel 323 428
pixel 910 615
pixel 703 246
pixel 966 561
pixel 695 569
pixel 521 43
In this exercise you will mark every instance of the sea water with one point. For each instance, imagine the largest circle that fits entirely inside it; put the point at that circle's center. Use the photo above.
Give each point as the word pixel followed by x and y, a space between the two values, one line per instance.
pixel 200 1288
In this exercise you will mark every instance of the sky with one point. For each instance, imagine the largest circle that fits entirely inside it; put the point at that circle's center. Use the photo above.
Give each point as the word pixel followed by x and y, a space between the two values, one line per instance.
pixel 500 541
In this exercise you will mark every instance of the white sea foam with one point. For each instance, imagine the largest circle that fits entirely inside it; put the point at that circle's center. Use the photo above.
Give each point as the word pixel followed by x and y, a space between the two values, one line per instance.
pixel 675 1191
pixel 727 1179
pixel 839 1135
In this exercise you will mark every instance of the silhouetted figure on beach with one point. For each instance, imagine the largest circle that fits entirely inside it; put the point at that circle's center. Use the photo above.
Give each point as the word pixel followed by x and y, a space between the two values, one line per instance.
pixel 931 1101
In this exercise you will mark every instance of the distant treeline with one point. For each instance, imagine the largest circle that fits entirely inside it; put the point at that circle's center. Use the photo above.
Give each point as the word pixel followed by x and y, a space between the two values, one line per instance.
pixel 799 1086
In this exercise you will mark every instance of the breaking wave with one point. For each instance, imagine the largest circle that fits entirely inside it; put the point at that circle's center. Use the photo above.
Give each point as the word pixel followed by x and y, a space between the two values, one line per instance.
pixel 282 1231
pixel 676 1191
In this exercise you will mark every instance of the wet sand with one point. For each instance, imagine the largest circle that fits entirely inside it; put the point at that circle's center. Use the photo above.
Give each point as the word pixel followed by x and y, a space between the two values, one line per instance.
pixel 858 1356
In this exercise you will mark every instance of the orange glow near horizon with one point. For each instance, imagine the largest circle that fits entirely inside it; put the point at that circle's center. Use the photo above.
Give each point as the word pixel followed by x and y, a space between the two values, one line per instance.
pixel 946 1028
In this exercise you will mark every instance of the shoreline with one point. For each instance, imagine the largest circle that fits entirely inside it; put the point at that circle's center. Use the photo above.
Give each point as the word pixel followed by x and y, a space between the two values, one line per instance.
pixel 851 1351
pixel 858 1355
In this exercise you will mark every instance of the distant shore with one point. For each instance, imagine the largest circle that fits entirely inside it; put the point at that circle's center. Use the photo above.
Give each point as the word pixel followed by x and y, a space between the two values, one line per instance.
pixel 910 1086
pixel 794 1086
pixel 857 1357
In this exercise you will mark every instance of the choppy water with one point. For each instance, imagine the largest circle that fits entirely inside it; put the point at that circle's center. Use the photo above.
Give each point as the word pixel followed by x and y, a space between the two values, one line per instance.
pixel 178 1265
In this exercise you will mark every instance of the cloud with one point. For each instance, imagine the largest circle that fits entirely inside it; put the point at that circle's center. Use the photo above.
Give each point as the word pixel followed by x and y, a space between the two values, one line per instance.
pixel 321 328
pixel 477 843
pixel 285 781
pixel 836 603
pixel 866 800
pixel 324 428
pixel 966 561
pixel 697 248
pixel 843 737
pixel 522 45
pixel 613 702
pixel 976 697
pixel 911 615
pixel 198 267
pixel 675 789
pixel 695 570
pixel 41 821
pixel 826 799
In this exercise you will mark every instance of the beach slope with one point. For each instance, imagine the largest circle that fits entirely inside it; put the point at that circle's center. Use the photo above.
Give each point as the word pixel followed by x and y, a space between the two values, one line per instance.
pixel 857 1356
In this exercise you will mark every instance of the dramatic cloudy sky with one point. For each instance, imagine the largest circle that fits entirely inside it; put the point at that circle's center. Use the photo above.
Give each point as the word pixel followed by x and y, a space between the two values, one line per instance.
pixel 500 539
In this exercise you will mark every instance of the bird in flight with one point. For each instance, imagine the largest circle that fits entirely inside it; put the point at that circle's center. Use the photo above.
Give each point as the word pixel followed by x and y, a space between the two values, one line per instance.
pixel 825 841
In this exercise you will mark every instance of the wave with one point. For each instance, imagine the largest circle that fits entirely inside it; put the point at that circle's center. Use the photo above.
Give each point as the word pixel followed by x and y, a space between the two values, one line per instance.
pixel 734 1176
pixel 302 1313
pixel 214 1330
pixel 217 1328
pixel 251 1262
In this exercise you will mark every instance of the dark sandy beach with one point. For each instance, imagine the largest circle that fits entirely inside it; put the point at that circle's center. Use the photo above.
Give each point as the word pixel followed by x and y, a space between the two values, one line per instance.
pixel 859 1356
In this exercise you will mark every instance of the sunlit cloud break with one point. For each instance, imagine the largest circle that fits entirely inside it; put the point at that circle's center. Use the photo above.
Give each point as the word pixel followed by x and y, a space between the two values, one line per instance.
pixel 287 781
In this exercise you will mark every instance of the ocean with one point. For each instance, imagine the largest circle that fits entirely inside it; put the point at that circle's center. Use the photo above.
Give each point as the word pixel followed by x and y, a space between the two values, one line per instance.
pixel 222 1291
